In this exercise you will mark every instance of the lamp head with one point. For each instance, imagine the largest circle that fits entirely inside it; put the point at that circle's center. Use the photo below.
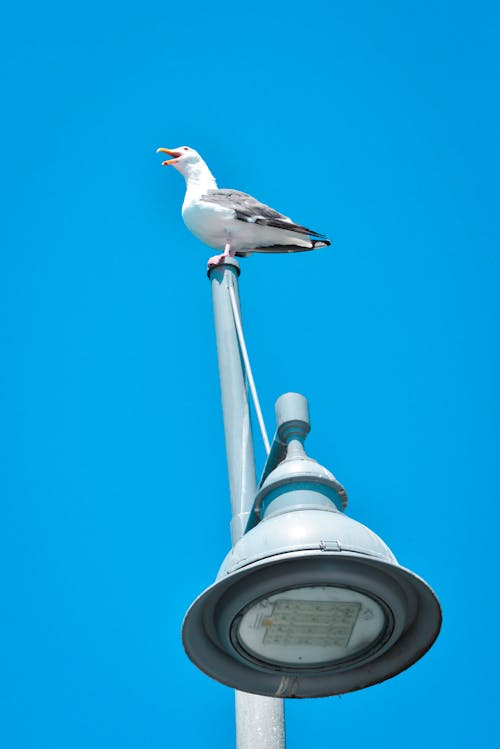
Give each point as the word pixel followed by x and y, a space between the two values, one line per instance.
pixel 309 602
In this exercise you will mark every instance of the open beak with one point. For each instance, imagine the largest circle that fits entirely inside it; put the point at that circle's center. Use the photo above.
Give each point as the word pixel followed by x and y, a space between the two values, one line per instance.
pixel 175 155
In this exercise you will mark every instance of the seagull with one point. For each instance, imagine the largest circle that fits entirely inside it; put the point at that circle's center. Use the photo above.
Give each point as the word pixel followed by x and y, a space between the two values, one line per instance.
pixel 231 220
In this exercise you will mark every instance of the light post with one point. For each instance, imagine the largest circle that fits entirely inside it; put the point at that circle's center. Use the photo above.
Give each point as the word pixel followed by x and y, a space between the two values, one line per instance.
pixel 309 602
pixel 258 719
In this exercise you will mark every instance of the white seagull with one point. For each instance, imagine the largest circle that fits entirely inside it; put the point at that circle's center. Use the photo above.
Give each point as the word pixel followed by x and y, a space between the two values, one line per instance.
pixel 233 221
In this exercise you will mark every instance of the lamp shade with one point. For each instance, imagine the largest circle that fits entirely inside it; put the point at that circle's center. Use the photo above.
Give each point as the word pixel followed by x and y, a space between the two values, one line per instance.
pixel 310 606
pixel 309 602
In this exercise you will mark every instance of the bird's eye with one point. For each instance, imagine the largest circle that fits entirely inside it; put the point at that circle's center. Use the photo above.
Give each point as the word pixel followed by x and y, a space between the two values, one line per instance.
pixel 185 148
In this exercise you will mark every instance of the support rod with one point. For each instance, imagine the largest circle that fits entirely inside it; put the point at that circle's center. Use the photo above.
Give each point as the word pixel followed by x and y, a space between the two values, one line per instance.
pixel 260 722
pixel 248 370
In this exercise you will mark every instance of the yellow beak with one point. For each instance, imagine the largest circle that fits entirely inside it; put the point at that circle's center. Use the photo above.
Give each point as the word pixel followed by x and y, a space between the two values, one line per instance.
pixel 175 154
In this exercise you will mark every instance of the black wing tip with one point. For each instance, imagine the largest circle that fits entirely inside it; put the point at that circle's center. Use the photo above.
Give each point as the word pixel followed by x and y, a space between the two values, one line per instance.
pixel 286 248
pixel 279 223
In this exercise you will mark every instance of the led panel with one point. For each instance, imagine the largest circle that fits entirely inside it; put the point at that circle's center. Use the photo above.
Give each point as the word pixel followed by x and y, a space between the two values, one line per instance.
pixel 311 626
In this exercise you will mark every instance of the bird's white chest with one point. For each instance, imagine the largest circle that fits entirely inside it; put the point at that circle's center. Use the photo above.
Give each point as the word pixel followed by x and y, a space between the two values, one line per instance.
pixel 207 221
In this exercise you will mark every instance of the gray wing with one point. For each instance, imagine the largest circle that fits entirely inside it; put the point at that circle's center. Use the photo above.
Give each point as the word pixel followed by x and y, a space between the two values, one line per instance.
pixel 253 211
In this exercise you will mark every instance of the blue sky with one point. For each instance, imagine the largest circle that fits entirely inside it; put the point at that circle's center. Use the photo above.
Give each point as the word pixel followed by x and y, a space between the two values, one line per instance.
pixel 375 123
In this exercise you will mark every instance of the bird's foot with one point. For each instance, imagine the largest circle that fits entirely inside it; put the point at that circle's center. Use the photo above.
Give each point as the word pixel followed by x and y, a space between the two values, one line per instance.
pixel 216 260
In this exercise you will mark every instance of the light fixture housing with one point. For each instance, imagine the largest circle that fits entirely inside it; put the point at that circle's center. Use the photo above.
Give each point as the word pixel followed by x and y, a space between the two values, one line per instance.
pixel 309 602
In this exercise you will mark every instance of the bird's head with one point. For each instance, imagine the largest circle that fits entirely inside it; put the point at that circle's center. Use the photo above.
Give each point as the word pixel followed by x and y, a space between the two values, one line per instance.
pixel 184 159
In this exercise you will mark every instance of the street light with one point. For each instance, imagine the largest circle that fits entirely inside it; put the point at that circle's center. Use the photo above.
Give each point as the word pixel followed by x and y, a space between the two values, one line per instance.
pixel 309 602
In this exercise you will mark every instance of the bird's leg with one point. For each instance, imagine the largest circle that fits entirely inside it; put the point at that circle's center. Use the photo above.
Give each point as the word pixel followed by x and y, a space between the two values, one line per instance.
pixel 228 252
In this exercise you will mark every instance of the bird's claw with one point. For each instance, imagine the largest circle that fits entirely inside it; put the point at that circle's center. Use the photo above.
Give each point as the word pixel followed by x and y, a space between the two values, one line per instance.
pixel 216 260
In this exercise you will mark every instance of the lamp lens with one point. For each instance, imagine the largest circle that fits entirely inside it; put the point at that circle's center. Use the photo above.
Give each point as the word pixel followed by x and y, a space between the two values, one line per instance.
pixel 311 626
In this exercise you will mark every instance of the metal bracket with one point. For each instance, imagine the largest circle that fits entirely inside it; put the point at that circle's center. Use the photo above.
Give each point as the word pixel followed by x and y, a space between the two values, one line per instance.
pixel 276 455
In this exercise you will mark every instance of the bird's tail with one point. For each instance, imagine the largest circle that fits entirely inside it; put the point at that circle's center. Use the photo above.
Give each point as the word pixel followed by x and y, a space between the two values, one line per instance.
pixel 286 248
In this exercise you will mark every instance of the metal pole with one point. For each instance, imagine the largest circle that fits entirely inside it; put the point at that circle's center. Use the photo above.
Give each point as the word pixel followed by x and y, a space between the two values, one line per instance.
pixel 260 722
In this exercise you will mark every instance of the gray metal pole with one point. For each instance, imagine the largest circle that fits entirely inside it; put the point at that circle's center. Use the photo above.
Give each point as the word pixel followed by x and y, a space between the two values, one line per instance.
pixel 260 721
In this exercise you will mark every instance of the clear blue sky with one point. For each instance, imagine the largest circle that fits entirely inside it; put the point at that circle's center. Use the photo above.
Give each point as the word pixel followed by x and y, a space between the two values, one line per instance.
pixel 374 122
